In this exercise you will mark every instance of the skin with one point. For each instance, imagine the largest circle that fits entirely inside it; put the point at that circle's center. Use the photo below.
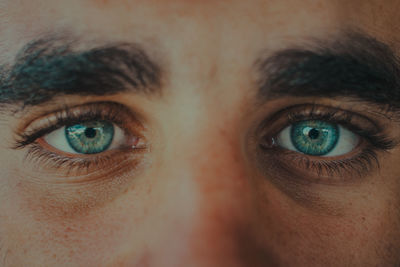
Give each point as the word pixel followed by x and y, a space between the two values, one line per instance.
pixel 199 199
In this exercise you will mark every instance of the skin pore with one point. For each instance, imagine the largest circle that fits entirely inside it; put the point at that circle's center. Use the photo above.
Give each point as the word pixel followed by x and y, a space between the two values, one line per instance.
pixel 208 183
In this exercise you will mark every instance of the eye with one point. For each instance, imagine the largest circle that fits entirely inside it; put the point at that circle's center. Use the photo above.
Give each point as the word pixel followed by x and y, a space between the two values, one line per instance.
pixel 318 138
pixel 90 137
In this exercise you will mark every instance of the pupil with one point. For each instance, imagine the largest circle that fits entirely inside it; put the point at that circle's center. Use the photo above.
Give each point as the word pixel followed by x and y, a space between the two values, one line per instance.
pixel 313 133
pixel 90 132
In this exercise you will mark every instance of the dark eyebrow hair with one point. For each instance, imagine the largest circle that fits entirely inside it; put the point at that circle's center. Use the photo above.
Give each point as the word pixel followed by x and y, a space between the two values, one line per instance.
pixel 354 65
pixel 50 67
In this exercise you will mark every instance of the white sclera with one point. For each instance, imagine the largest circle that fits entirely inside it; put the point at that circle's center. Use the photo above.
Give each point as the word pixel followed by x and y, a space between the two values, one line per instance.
pixel 346 143
pixel 58 140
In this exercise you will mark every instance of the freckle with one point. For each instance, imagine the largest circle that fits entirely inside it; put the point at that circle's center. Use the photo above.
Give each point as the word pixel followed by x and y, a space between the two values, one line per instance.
pixel 363 219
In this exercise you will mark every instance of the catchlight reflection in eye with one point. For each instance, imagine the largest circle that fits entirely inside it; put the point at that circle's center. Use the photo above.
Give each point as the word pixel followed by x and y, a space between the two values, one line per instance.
pixel 87 138
pixel 317 138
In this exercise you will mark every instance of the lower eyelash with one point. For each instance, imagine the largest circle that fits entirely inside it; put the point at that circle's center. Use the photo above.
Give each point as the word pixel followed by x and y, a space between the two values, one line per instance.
pixel 308 169
pixel 80 166
pixel 46 157
pixel 359 163
pixel 42 157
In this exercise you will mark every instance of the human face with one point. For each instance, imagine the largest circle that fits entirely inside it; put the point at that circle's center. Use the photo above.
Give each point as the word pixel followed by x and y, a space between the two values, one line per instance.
pixel 199 133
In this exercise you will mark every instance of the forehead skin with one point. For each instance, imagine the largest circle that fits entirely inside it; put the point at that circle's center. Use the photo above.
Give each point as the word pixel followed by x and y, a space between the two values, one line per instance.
pixel 191 26
pixel 206 46
pixel 126 18
pixel 197 31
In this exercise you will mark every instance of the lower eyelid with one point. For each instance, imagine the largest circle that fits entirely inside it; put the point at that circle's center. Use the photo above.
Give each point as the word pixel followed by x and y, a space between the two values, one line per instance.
pixel 287 163
pixel 51 158
pixel 48 167
pixel 280 163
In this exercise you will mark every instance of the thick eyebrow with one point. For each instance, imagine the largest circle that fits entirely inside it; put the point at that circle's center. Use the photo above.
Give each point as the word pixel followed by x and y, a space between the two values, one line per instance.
pixel 353 65
pixel 50 67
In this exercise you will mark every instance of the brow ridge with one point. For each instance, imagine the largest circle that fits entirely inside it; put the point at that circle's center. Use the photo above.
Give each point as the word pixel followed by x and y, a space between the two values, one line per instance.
pixel 353 65
pixel 47 67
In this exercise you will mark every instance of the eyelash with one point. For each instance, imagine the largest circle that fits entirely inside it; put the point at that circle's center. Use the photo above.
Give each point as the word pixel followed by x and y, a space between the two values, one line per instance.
pixel 108 111
pixel 373 138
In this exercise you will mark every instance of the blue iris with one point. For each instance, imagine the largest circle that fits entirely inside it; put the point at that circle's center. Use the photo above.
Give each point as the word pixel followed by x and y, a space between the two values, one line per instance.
pixel 90 137
pixel 314 137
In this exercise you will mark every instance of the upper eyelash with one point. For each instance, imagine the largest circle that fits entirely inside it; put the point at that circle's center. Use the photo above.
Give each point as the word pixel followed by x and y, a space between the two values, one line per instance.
pixel 372 135
pixel 344 118
pixel 108 111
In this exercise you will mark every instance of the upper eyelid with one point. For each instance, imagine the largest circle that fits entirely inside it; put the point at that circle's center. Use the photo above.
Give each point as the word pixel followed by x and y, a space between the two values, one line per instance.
pixel 361 125
pixel 307 111
pixel 365 127
pixel 112 111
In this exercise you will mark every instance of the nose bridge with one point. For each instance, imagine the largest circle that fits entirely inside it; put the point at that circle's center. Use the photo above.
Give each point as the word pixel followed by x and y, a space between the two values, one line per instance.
pixel 204 145
pixel 211 156
pixel 219 173
pixel 223 195
pixel 210 163
pixel 203 184
pixel 207 208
